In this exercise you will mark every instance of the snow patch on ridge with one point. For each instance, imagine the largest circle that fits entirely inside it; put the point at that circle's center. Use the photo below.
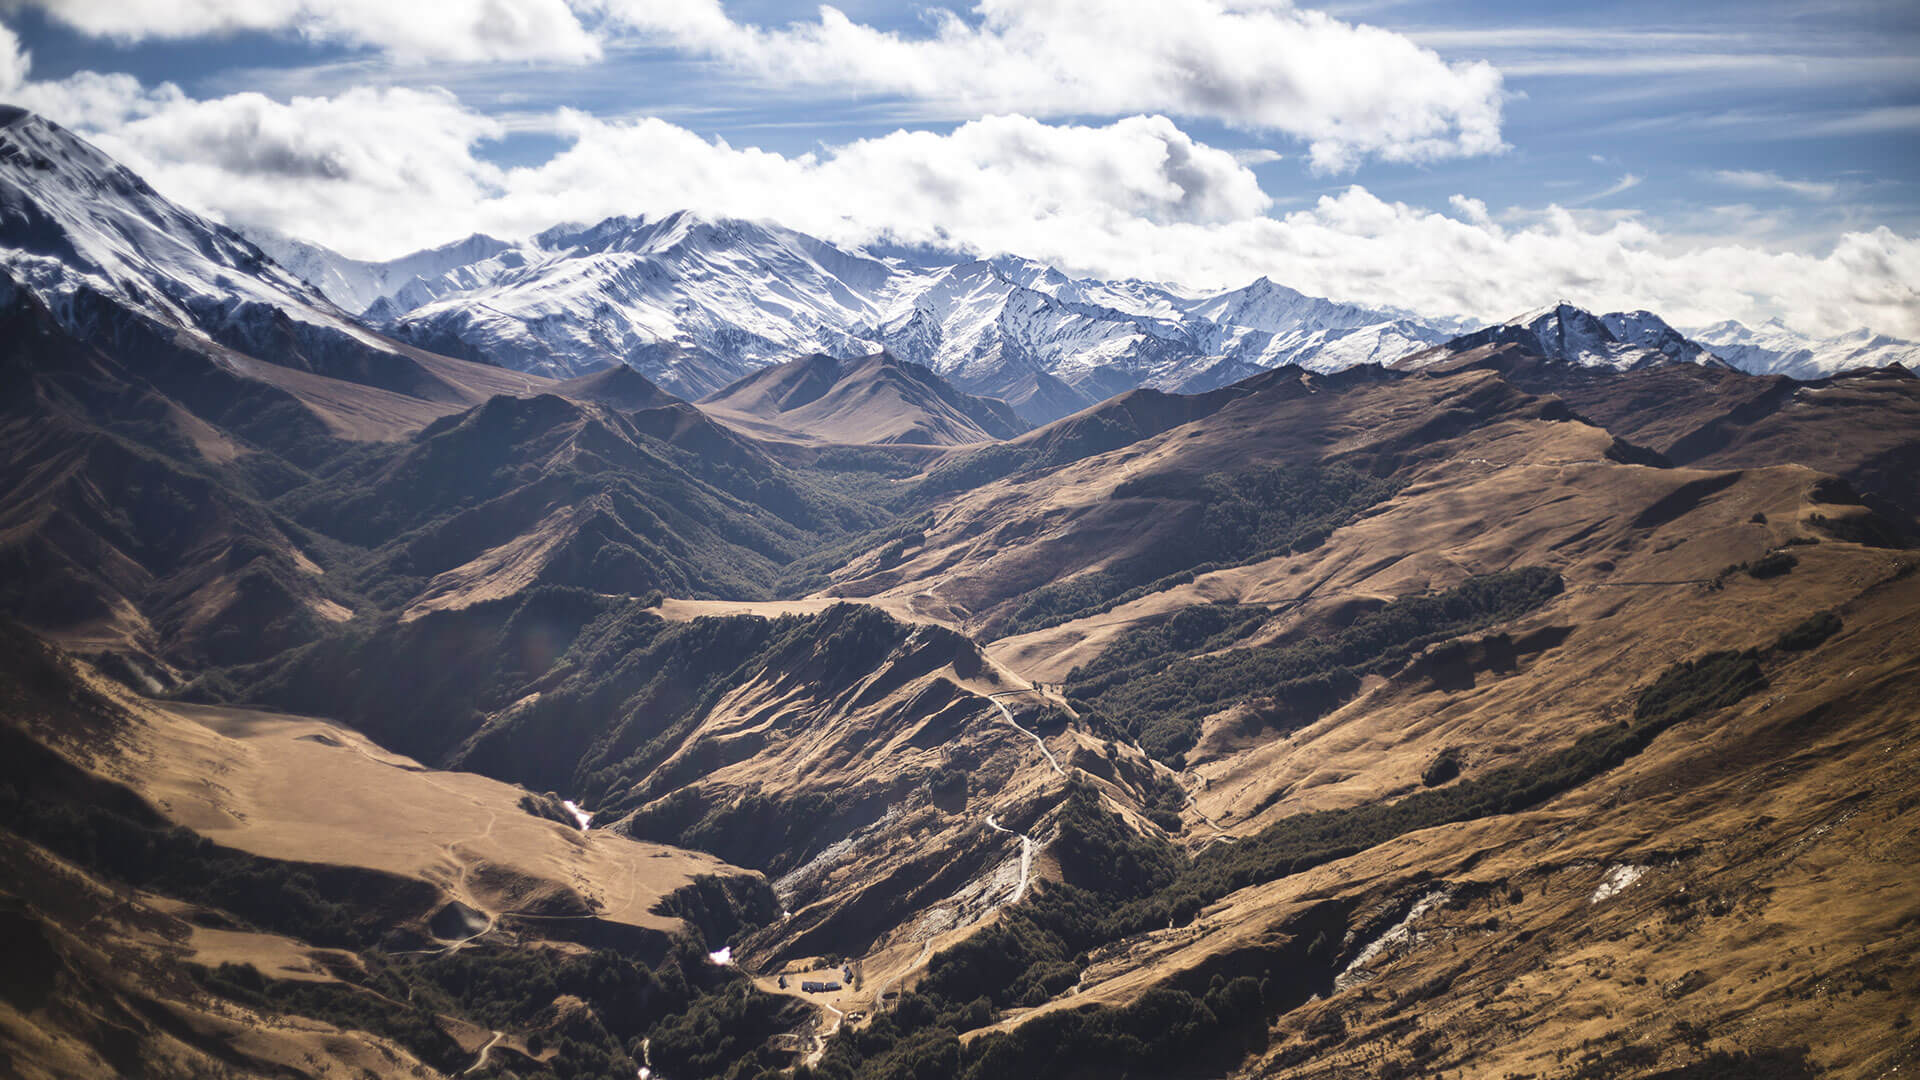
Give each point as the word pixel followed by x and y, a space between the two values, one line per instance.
pixel 1620 877
pixel 1397 938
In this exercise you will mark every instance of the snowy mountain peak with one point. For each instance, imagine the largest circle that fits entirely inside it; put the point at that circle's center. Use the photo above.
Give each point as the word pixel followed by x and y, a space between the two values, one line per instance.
pixel 694 302
pixel 83 235
pixel 1650 331
pixel 29 140
pixel 1556 316
pixel 71 218
pixel 1569 334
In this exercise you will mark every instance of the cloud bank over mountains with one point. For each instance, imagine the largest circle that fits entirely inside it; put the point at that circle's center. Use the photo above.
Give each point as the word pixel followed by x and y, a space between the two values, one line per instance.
pixel 1350 90
pixel 378 171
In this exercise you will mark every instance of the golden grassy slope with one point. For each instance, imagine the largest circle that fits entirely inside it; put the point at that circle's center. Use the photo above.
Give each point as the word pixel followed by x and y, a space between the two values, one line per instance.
pixel 1761 889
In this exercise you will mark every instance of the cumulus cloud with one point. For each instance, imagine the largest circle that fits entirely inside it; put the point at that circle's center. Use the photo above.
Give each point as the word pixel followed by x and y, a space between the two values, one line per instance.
pixel 377 173
pixel 995 176
pixel 1359 246
pixel 1351 90
pixel 1754 180
pixel 14 62
pixel 370 161
pixel 95 101
pixel 409 29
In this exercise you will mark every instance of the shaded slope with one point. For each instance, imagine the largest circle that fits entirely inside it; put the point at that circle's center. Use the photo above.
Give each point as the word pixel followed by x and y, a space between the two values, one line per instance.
pixel 812 748
pixel 325 905
pixel 130 518
pixel 618 387
pixel 522 491
pixel 873 400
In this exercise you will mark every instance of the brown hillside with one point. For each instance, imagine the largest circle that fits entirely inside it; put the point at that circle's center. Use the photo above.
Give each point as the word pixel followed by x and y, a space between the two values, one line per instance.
pixel 875 400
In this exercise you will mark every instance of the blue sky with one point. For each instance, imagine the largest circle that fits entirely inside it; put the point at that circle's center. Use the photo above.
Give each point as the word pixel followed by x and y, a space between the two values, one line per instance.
pixel 1743 142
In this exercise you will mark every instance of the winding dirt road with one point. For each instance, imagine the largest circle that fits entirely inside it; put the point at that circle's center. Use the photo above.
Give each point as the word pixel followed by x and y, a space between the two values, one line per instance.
pixel 482 1059
pixel 1026 859
pixel 1038 741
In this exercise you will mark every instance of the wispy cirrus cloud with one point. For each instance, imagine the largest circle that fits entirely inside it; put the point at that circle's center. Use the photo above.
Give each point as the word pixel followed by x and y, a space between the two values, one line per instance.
pixel 1878 121
pixel 1761 180
pixel 1627 182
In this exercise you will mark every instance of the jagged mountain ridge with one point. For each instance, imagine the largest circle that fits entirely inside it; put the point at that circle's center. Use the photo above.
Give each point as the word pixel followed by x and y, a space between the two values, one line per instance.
pixel 1622 341
pixel 695 303
pixel 72 220
pixel 357 284
pixel 1773 348
pixel 95 246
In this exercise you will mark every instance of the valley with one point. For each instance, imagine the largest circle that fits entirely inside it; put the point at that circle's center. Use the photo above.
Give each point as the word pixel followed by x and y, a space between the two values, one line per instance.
pixel 1080 680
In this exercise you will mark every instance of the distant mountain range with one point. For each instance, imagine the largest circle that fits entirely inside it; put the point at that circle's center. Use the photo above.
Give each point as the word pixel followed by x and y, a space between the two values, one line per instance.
pixel 695 303
pixel 1773 349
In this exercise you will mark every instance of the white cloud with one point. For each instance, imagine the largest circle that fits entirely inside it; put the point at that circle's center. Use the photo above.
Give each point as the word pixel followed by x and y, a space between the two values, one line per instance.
pixel 1877 121
pixel 1471 209
pixel 85 99
pixel 408 29
pixel 14 63
pixel 369 164
pixel 1754 180
pixel 92 101
pixel 377 173
pixel 984 185
pixel 1352 91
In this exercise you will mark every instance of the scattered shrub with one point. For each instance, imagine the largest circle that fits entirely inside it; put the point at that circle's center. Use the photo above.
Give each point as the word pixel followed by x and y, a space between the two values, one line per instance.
pixel 1809 632
pixel 1158 700
pixel 1444 767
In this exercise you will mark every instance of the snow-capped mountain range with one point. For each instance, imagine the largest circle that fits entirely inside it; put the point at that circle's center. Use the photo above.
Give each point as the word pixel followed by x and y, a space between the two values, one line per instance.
pixel 1773 348
pixel 695 303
